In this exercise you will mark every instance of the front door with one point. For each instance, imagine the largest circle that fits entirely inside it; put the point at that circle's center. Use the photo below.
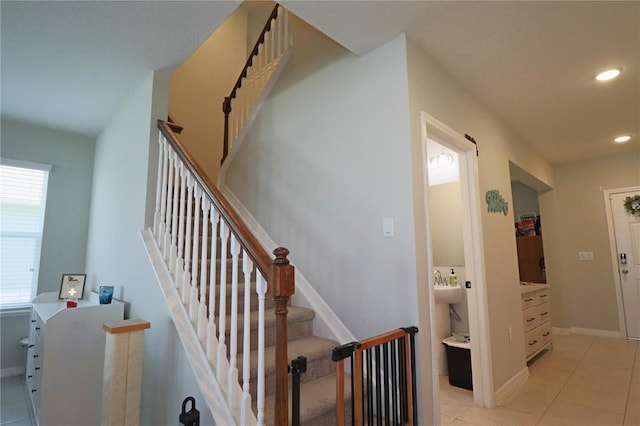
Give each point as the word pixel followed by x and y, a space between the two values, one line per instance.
pixel 627 240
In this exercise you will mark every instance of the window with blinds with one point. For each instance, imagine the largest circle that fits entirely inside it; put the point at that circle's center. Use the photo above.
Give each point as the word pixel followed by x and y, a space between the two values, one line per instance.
pixel 23 193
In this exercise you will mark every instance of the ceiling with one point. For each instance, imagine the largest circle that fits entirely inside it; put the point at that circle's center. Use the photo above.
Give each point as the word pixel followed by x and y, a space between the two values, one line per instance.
pixel 70 64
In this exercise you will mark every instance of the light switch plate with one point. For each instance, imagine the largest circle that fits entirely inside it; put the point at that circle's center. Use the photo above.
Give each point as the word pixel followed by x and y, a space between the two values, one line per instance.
pixel 585 255
pixel 387 227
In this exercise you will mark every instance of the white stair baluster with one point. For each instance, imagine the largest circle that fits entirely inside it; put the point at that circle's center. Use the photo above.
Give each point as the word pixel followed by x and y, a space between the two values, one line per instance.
pixel 186 279
pixel 245 402
pixel 163 201
pixel 212 339
pixel 261 289
pixel 195 257
pixel 179 268
pixel 156 216
pixel 166 242
pixel 173 249
pixel 222 312
pixel 233 332
pixel 204 266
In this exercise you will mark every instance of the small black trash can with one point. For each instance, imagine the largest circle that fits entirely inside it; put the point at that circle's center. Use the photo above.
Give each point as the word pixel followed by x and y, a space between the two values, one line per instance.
pixel 459 362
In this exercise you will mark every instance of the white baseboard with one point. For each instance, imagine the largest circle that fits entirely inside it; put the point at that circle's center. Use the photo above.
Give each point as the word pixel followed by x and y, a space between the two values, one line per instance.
pixel 587 331
pixel 512 386
pixel 12 371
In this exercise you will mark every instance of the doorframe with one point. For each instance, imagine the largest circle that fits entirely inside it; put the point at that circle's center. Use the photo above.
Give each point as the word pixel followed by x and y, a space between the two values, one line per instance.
pixel 614 253
pixel 481 365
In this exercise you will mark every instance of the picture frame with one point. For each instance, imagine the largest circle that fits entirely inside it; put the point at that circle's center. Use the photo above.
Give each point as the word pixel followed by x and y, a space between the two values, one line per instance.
pixel 72 286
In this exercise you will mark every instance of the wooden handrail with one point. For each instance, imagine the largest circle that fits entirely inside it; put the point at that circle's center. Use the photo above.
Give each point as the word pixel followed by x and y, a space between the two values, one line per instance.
pixel 226 104
pixel 254 51
pixel 278 271
pixel 259 255
pixel 174 125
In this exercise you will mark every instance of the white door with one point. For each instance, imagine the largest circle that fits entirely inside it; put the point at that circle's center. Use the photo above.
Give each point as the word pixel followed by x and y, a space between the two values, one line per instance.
pixel 627 248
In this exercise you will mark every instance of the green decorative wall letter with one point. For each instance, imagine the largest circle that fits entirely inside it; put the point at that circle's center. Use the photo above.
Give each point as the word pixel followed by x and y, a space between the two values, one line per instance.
pixel 495 202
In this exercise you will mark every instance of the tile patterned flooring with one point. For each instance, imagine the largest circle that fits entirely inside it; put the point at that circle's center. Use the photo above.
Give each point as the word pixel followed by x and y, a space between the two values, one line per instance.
pixel 15 408
pixel 582 381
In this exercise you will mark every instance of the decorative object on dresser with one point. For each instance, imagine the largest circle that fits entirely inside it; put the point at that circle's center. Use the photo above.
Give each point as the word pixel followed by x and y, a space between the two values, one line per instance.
pixel 65 359
pixel 536 314
pixel 72 286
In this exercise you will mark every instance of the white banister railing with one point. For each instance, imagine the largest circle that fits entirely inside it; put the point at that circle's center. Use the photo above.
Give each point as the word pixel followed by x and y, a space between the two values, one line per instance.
pixel 252 85
pixel 192 235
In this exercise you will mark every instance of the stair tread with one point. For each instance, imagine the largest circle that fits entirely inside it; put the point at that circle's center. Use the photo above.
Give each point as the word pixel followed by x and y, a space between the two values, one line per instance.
pixel 312 347
pixel 295 314
pixel 317 398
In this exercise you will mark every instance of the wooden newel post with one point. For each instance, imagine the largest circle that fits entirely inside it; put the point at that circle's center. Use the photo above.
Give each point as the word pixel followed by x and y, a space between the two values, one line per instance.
pixel 281 287
pixel 226 109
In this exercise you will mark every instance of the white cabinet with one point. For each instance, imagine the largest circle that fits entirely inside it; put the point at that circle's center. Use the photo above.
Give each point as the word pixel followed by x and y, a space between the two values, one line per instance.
pixel 536 317
pixel 65 359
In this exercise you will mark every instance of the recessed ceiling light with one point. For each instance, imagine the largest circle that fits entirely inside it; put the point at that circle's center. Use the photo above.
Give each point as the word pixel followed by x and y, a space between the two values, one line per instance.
pixel 608 74
pixel 622 138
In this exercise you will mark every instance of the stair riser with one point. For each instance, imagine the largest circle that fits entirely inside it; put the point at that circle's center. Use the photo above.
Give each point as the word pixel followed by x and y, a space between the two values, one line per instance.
pixel 315 369
pixel 296 330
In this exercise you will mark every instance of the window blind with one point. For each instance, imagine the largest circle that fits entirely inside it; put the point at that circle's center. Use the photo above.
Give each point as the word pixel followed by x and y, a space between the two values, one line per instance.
pixel 23 190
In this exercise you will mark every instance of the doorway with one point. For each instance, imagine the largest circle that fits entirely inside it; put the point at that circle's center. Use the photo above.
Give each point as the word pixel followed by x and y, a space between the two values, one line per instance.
pixel 473 258
pixel 624 240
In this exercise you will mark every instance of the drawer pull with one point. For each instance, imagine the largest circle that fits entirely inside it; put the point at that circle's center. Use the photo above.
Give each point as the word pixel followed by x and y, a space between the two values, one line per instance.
pixel 34 390
pixel 35 356
pixel 543 295
pixel 31 346
pixel 544 313
pixel 37 368
pixel 531 319
pixel 37 328
pixel 546 334
pixel 528 300
pixel 533 343
pixel 29 376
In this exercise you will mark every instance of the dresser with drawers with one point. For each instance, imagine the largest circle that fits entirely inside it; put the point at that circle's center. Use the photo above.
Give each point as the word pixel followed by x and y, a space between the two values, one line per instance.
pixel 536 317
pixel 65 359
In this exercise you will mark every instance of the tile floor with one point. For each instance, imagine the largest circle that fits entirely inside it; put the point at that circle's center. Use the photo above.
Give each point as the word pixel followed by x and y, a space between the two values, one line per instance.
pixel 14 408
pixel 582 381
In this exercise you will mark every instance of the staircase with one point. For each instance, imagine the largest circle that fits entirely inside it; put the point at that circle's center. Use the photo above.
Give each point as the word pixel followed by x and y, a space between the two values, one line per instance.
pixel 219 311
pixel 215 275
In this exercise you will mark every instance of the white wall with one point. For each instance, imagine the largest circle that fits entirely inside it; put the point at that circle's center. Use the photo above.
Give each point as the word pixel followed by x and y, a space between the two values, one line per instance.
pixel 525 200
pixel 583 293
pixel 435 92
pixel 199 86
pixel 445 215
pixel 126 154
pixel 325 161
pixel 67 211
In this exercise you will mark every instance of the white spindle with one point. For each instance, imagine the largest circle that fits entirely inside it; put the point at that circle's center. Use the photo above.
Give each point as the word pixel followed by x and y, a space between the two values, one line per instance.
pixel 245 402
pixel 186 279
pixel 281 35
pixel 179 269
pixel 233 332
pixel 222 312
pixel 163 202
pixel 204 266
pixel 261 289
pixel 212 339
pixel 156 217
pixel 195 257
pixel 166 242
pixel 173 249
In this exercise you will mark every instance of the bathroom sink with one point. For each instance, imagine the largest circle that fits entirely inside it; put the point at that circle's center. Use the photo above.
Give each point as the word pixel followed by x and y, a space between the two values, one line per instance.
pixel 448 294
